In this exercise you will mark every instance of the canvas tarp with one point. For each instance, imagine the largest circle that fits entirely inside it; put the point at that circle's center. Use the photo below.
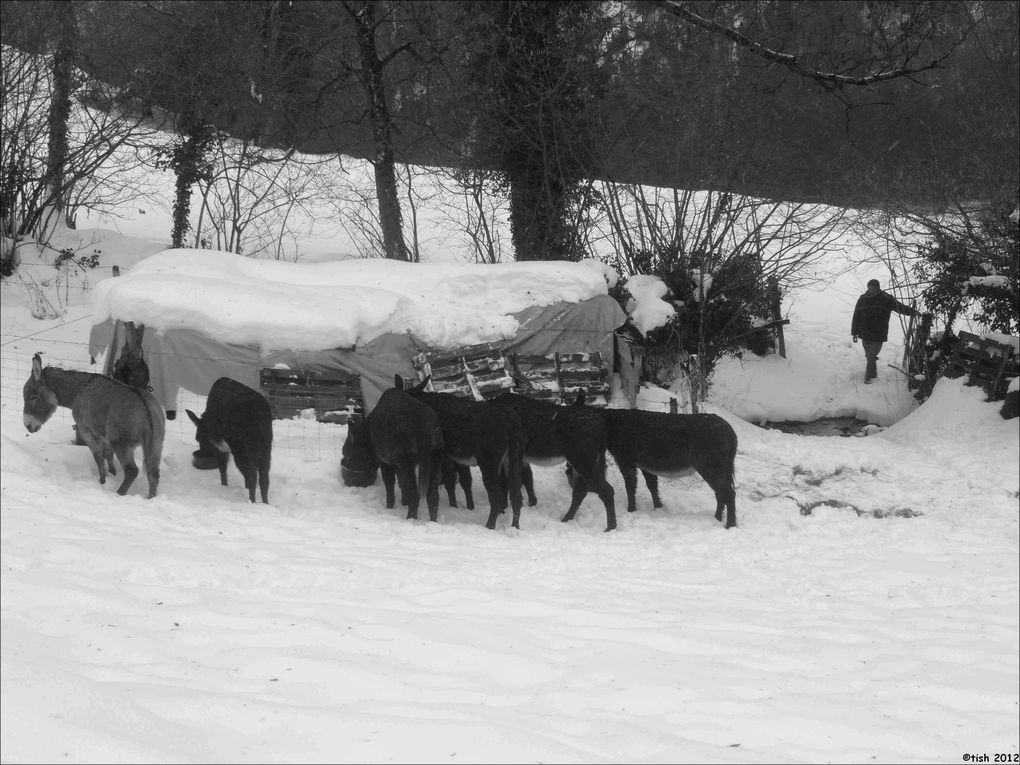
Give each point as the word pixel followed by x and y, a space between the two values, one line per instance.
pixel 189 359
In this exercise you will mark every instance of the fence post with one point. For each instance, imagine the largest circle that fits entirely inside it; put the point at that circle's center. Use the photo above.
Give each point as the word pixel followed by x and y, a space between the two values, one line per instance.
pixel 777 313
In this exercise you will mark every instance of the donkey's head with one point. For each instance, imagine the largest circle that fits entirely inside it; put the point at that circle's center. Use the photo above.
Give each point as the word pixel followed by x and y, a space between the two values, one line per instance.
pixel 40 401
pixel 211 444
pixel 398 383
pixel 358 463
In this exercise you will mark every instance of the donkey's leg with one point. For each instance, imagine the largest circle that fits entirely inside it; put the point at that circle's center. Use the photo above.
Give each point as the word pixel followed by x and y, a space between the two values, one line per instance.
pixel 528 481
pixel 652 482
pixel 589 474
pixel 152 474
pixel 222 458
pixel 388 477
pixel 629 473
pixel 494 487
pixel 245 468
pixel 464 473
pixel 126 455
pixel 448 476
pixel 434 479
pixel 725 496
pixel 263 470
pixel 251 479
pixel 249 470
pixel 514 479
pixel 110 464
pixel 579 492
pixel 408 487
pixel 100 458
pixel 108 457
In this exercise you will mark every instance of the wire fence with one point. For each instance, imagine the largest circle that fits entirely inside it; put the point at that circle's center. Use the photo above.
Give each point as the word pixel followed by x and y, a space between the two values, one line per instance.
pixel 311 439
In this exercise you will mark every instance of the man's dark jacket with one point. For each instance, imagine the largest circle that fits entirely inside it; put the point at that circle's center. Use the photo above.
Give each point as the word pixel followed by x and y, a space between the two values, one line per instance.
pixel 871 315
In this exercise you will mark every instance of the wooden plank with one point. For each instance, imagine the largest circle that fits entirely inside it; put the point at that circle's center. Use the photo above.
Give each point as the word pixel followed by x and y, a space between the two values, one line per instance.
pixel 560 376
pixel 477 371
pixel 291 392
pixel 582 374
pixel 986 362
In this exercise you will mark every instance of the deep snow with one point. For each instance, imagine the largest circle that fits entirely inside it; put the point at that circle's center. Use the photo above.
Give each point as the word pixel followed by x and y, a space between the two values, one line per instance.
pixel 881 627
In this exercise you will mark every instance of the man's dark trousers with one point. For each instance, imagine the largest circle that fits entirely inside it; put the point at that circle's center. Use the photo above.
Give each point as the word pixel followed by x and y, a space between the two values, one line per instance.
pixel 871 350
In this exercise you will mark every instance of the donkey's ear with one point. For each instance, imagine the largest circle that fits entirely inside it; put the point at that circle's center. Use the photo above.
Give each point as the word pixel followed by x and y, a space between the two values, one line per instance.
pixel 193 418
pixel 424 384
pixel 398 382
pixel 37 366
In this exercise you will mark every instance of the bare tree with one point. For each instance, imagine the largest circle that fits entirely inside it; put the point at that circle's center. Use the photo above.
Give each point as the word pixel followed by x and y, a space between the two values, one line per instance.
pixel 722 257
pixel 62 79
pixel 476 209
pixel 899 37
pixel 36 188
pixel 250 195
pixel 370 74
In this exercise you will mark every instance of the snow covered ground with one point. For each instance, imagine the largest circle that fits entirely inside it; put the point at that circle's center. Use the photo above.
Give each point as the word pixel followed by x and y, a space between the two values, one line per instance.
pixel 881 626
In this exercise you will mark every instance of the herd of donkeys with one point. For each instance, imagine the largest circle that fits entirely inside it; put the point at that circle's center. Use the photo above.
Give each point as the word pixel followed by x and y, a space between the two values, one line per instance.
pixel 417 439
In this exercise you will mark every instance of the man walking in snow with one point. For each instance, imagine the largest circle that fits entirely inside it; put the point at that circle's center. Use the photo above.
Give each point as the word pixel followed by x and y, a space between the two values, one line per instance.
pixel 871 323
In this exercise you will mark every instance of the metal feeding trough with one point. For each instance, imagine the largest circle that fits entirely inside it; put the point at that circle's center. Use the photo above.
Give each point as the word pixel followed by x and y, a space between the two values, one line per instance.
pixel 204 460
pixel 357 478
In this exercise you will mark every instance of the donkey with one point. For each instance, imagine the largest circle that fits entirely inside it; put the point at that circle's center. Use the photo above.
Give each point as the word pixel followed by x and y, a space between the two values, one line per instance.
pixel 132 369
pixel 399 436
pixel 556 433
pixel 110 416
pixel 481 433
pixel 671 445
pixel 237 420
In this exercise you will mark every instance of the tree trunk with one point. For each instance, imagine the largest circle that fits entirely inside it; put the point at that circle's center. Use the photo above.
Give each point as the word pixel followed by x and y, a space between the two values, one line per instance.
pixel 189 166
pixel 62 73
pixel 183 182
pixel 385 174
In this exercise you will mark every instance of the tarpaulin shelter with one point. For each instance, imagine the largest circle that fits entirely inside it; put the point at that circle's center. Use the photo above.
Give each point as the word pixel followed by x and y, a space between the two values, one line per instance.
pixel 188 346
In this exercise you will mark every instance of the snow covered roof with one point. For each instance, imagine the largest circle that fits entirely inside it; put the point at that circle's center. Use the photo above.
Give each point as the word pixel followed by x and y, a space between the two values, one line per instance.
pixel 315 306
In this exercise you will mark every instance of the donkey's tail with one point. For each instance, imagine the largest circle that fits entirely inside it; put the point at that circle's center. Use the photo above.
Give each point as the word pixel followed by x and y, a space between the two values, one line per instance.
pixel 425 468
pixel 732 469
pixel 514 465
pixel 152 443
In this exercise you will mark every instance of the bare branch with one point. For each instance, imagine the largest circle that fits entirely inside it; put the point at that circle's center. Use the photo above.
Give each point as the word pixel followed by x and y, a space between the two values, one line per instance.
pixel 793 63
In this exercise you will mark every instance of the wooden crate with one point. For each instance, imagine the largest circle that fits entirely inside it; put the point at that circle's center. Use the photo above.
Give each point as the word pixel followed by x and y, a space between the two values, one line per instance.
pixel 559 377
pixel 478 371
pixel 335 396
pixel 987 363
